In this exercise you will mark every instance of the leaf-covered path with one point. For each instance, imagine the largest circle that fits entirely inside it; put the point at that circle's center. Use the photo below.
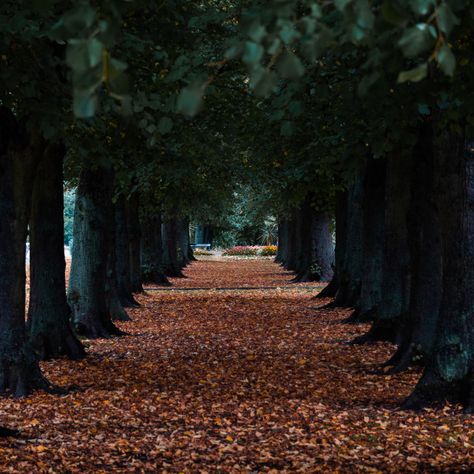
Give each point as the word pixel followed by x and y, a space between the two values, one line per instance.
pixel 233 381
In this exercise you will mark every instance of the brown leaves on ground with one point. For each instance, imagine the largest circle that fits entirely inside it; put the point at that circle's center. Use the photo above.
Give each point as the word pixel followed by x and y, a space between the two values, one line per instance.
pixel 232 381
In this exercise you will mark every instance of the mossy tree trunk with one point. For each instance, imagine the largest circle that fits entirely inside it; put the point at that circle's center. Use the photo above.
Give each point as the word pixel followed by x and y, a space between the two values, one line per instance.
pixel 93 219
pixel 49 315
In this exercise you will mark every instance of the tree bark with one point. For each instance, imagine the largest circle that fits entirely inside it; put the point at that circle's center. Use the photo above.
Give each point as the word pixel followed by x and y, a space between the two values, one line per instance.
pixel 290 263
pixel 133 221
pixel 281 255
pixel 322 247
pixel 123 265
pixel 373 216
pixel 395 289
pixel 350 269
pixel 92 224
pixel 113 302
pixel 152 250
pixel 19 369
pixel 183 242
pixel 449 371
pixel 304 241
pixel 330 291
pixel 49 315
pixel 417 325
pixel 170 248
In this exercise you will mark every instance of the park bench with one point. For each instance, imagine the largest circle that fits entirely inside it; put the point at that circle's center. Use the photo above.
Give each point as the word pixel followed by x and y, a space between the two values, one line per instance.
pixel 201 246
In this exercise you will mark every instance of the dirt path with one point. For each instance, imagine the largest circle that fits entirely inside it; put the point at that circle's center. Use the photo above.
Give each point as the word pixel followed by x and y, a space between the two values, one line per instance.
pixel 231 381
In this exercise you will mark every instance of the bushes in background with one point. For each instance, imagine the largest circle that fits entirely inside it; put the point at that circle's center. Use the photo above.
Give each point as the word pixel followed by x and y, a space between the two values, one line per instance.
pixel 251 251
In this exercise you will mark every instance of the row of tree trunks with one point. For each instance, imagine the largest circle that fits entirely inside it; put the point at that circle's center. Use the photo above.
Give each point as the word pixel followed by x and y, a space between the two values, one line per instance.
pixel 305 244
pixel 405 260
pixel 165 246
pixel 152 250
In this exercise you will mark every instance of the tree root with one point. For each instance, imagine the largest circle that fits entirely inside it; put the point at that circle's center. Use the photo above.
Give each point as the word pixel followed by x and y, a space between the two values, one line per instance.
pixel 329 291
pixel 375 334
pixel 359 317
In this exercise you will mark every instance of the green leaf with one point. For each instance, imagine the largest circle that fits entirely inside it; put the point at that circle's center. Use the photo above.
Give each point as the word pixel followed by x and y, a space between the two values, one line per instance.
pixel 316 11
pixel 446 60
pixel 265 84
pixel 82 55
pixel 165 125
pixel 392 14
pixel 367 82
pixel 288 32
pixel 365 17
pixel 85 104
pixel 80 18
pixel 289 66
pixel 287 129
pixel 341 4
pixel 415 40
pixel 296 108
pixel 424 109
pixel 422 7
pixel 414 75
pixel 446 18
pixel 253 53
pixel 257 32
pixel 190 100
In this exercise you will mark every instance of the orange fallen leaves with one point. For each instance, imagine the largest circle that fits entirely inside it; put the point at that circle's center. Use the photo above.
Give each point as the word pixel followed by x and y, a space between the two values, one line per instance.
pixel 232 381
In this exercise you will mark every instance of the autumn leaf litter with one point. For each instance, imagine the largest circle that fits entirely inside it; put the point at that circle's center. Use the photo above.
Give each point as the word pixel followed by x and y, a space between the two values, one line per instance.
pixel 232 381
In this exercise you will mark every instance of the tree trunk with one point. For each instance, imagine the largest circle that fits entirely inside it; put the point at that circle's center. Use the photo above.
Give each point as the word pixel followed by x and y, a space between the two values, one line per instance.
pixel 114 304
pixel 290 263
pixel 183 241
pixel 152 250
pixel 133 221
pixel 281 255
pixel 170 248
pixel 49 315
pixel 92 224
pixel 416 330
pixel 19 369
pixel 395 294
pixel 332 288
pixel 303 267
pixel 122 257
pixel 322 247
pixel 350 273
pixel 449 369
pixel 208 235
pixel 373 205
